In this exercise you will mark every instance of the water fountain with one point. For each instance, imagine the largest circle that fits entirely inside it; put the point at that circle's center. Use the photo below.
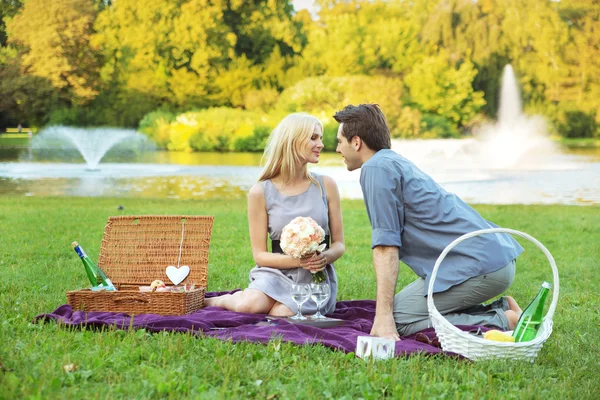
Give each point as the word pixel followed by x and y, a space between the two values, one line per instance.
pixel 512 160
pixel 92 144
pixel 515 140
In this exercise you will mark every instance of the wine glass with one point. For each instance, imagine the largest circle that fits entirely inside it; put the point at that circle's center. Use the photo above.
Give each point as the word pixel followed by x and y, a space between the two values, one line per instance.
pixel 300 293
pixel 319 292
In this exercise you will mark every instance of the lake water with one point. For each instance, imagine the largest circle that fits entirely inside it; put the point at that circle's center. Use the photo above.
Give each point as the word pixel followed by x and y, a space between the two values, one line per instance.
pixel 568 176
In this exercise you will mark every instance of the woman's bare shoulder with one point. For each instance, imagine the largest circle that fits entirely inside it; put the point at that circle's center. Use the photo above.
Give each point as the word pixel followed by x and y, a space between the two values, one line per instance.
pixel 329 182
pixel 256 191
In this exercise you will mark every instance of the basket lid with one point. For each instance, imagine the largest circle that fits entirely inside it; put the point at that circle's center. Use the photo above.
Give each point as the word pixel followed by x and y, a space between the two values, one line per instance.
pixel 137 250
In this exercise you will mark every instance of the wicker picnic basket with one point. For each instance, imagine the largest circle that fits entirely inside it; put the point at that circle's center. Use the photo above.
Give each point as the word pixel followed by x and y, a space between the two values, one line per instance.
pixel 454 340
pixel 136 250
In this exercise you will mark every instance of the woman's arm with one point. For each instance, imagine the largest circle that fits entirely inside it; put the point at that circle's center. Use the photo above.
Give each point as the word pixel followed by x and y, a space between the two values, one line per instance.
pixel 258 221
pixel 336 228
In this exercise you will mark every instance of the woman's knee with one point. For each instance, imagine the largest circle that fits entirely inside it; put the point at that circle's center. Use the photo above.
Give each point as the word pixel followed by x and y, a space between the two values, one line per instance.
pixel 280 310
pixel 253 303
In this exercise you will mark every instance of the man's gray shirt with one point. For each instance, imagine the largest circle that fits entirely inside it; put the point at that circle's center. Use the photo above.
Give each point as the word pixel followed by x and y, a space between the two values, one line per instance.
pixel 409 210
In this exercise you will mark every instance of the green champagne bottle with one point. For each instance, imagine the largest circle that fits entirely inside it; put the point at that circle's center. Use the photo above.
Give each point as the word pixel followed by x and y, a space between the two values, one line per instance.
pixel 531 319
pixel 97 277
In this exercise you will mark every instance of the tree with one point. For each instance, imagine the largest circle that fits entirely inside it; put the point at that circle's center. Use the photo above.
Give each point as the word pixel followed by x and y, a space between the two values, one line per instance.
pixel 361 37
pixel 191 52
pixel 25 98
pixel 8 8
pixel 54 38
pixel 581 55
pixel 437 87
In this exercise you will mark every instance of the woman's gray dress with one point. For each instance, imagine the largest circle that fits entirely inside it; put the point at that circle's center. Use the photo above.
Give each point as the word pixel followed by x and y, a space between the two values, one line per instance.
pixel 281 209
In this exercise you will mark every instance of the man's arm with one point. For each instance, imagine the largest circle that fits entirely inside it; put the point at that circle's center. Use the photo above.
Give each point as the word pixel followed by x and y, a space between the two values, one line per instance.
pixel 385 262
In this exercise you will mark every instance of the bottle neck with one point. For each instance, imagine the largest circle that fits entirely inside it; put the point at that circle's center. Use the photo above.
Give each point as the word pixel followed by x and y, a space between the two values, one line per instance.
pixel 80 252
pixel 539 299
pixel 543 294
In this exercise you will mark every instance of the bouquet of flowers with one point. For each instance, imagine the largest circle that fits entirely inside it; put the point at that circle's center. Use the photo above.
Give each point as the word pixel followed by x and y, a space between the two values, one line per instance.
pixel 302 237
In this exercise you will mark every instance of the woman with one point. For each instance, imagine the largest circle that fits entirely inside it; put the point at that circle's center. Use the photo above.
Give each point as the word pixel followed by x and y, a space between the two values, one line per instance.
pixel 286 190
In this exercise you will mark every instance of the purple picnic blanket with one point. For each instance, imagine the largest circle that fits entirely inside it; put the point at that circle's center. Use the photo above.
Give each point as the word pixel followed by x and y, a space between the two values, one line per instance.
pixel 237 327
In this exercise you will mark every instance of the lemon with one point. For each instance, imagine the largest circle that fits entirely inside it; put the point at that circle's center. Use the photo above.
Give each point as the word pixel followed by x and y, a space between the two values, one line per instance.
pixel 498 336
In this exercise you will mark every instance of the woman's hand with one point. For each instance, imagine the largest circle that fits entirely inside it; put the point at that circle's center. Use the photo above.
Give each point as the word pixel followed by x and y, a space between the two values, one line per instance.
pixel 315 262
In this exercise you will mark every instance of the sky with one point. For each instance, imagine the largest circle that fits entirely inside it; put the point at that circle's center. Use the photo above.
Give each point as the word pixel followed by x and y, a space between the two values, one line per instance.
pixel 300 4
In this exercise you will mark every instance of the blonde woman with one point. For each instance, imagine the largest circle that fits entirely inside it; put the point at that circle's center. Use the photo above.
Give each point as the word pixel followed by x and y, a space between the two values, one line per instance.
pixel 286 190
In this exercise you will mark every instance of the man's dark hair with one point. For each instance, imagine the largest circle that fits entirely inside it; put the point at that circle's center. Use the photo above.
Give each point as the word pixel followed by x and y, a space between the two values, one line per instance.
pixel 368 123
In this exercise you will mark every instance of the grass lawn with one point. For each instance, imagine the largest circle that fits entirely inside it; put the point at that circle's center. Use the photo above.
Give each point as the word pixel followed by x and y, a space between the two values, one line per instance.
pixel 9 141
pixel 589 143
pixel 38 265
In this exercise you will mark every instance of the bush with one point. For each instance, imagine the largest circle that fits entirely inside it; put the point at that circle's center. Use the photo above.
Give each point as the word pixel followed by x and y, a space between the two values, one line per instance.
pixel 408 124
pixel 261 100
pixel 65 116
pixel 156 125
pixel 436 126
pixel 330 135
pixel 255 142
pixel 578 124
pixel 181 132
pixel 80 116
pixel 212 129
pixel 438 87
pixel 218 129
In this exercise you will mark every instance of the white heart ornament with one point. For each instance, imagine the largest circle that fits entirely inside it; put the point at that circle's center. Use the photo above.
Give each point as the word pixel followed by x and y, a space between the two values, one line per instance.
pixel 177 275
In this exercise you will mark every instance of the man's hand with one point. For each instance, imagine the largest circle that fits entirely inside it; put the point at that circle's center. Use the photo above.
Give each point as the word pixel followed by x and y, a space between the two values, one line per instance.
pixel 385 327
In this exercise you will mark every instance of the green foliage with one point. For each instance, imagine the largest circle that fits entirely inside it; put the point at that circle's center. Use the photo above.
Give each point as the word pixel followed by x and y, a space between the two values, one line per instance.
pixel 122 109
pixel 260 100
pixel 24 98
pixel 66 116
pixel 408 124
pixel 219 128
pixel 323 96
pixel 437 87
pixel 437 126
pixel 213 129
pixel 8 8
pixel 578 124
pixel 355 38
pixel 255 142
pixel 232 83
pixel 194 53
pixel 116 61
pixel 262 27
pixel 56 37
pixel 330 131
pixel 156 125
pixel 488 81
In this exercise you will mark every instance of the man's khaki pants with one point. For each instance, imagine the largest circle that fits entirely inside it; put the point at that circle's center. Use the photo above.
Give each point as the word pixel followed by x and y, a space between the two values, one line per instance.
pixel 461 304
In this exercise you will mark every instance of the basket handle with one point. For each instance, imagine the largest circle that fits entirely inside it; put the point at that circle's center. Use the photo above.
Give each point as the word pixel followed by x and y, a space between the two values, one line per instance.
pixel 549 313
pixel 133 298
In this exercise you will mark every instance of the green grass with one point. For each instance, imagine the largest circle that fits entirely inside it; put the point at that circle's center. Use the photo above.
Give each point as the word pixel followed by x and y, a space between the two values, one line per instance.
pixel 9 141
pixel 38 266
pixel 580 143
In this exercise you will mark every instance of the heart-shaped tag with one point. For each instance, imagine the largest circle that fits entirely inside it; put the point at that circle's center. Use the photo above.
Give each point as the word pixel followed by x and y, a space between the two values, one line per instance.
pixel 177 275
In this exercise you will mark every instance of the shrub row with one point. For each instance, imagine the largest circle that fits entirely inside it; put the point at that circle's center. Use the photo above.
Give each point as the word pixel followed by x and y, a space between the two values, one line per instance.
pixel 229 129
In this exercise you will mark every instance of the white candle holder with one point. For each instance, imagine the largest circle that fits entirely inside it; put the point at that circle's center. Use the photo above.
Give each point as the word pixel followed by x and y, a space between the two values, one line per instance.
pixel 375 347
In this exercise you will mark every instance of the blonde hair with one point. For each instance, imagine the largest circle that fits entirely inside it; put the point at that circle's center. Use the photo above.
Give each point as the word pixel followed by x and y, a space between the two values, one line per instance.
pixel 282 154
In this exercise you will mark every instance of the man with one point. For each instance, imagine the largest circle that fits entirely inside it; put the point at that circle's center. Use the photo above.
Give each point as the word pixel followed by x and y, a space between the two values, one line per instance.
pixel 413 220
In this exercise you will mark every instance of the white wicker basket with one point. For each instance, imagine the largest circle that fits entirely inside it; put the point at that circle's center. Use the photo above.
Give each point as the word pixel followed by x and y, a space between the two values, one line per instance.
pixel 454 340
